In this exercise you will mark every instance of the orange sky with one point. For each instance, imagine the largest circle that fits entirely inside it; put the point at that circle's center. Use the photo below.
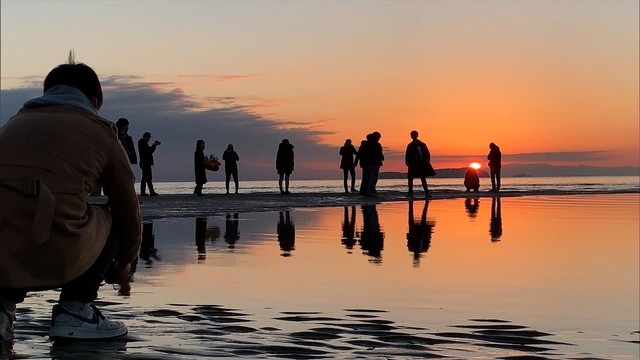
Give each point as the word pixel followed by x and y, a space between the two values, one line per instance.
pixel 532 77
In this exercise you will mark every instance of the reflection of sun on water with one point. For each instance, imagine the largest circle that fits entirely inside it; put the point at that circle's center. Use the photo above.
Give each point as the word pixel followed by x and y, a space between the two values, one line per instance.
pixel 475 165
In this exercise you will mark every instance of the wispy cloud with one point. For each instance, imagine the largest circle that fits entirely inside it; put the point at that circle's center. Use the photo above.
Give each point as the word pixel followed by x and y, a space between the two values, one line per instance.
pixel 222 78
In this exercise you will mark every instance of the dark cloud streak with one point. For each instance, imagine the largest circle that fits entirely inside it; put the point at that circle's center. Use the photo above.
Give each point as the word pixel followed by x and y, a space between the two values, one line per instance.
pixel 179 120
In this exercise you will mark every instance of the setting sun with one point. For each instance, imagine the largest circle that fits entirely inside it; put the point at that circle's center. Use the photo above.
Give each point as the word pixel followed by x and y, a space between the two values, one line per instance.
pixel 475 165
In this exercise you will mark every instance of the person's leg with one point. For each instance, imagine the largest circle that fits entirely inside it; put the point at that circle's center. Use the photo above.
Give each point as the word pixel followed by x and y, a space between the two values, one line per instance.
pixel 373 179
pixel 425 186
pixel 364 182
pixel 345 178
pixel 280 177
pixel 151 191
pixel 75 316
pixel 198 189
pixel 409 186
pixel 498 180
pixel 8 300
pixel 235 179
pixel 227 179
pixel 286 183
pixel 352 171
pixel 143 181
pixel 493 179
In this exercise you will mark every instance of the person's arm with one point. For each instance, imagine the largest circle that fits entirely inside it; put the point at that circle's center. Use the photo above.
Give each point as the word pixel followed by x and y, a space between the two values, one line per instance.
pixel 118 183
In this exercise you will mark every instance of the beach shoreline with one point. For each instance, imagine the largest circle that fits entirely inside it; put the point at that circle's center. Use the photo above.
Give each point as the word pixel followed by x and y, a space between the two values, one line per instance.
pixel 182 205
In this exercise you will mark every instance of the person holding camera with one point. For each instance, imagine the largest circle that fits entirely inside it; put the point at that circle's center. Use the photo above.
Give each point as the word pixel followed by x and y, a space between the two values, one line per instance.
pixel 53 153
pixel 146 162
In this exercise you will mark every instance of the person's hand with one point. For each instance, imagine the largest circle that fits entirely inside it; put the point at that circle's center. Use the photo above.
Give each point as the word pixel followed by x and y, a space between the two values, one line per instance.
pixel 156 142
pixel 121 273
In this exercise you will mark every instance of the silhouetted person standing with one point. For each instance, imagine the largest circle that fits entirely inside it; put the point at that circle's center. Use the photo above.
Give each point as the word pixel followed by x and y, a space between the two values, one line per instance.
pixel 349 228
pixel 418 161
pixel 231 233
pixel 231 159
pixel 495 226
pixel 376 157
pixel 347 165
pixel 146 162
pixel 198 165
pixel 495 164
pixel 286 233
pixel 284 164
pixel 419 233
pixel 362 157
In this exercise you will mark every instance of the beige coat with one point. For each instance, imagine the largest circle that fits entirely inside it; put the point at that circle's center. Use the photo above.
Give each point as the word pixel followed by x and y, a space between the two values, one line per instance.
pixel 51 158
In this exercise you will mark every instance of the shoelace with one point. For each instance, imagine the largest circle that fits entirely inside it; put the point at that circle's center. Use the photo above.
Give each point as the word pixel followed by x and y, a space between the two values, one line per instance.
pixel 96 311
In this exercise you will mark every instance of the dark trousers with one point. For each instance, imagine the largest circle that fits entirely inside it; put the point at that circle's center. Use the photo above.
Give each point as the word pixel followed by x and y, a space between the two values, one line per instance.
pixel 228 175
pixel 495 178
pixel 147 178
pixel 364 181
pixel 85 287
pixel 345 173
pixel 373 179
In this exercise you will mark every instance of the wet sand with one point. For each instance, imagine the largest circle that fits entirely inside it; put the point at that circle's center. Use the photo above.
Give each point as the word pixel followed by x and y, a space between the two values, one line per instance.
pixel 210 331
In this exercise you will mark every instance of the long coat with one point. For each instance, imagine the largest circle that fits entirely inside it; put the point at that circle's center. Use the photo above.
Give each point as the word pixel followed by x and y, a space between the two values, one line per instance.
pixel 51 158
pixel 127 144
pixel 284 159
pixel 198 164
pixel 417 158
pixel 347 152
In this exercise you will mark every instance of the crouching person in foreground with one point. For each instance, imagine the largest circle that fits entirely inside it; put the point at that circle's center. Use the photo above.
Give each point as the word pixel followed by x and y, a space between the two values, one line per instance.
pixel 53 153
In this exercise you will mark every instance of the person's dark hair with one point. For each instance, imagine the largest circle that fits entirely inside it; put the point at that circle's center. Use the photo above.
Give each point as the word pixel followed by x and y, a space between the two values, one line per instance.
pixel 146 134
pixel 122 122
pixel 414 133
pixel 198 143
pixel 79 76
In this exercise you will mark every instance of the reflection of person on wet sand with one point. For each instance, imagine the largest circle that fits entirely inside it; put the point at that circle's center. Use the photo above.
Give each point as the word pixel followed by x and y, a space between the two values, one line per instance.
pixel 148 252
pixel 201 235
pixel 231 233
pixel 286 233
pixel 419 234
pixel 472 205
pixel 349 228
pixel 495 226
pixel 371 237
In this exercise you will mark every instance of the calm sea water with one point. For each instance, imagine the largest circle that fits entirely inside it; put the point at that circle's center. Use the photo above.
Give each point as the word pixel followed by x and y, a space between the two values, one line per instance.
pixel 563 265
pixel 578 183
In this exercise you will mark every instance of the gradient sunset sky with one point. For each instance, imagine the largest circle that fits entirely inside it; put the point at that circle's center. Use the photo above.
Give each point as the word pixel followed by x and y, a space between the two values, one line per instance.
pixel 548 81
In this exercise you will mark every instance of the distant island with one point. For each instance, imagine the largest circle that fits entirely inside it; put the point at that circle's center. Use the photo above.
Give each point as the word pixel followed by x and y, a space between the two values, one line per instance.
pixel 530 170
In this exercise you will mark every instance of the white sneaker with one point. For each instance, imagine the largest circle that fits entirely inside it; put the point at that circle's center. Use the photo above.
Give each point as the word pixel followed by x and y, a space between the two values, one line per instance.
pixel 6 324
pixel 67 324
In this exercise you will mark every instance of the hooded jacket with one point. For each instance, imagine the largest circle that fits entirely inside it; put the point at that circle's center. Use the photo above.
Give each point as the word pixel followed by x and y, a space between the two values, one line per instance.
pixel 53 153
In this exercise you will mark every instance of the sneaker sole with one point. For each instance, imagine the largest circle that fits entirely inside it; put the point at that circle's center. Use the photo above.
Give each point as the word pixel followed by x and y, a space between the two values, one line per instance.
pixel 62 332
